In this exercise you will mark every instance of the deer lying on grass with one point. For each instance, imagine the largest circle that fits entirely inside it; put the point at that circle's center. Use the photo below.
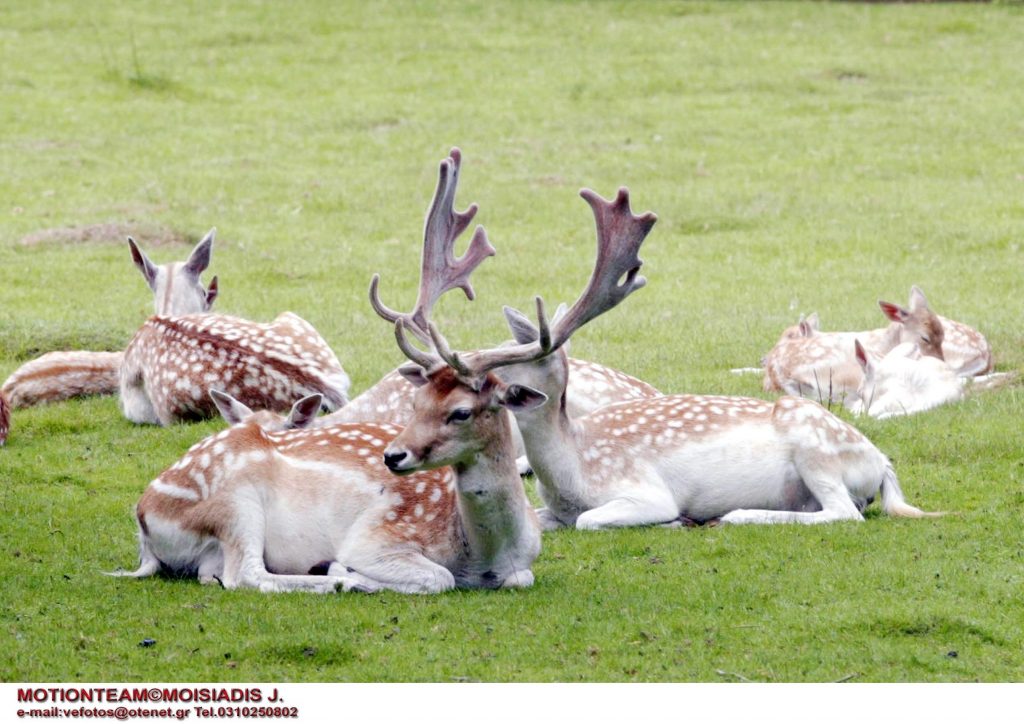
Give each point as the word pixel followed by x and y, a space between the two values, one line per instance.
pixel 677 457
pixel 174 360
pixel 904 382
pixel 259 509
pixel 807 362
pixel 57 376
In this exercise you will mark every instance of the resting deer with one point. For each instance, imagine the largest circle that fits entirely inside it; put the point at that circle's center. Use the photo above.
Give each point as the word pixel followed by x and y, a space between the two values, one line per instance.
pixel 175 359
pixel 259 509
pixel 677 457
pixel 963 348
pixel 904 382
pixel 57 376
pixel 807 362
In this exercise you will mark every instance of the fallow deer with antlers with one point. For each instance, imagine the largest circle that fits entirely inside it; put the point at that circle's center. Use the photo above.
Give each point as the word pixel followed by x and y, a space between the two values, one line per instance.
pixel 591 385
pixel 677 457
pixel 255 508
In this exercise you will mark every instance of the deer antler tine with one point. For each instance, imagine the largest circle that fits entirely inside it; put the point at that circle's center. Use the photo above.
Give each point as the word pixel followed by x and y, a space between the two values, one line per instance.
pixel 423 359
pixel 619 236
pixel 542 326
pixel 451 358
pixel 383 311
pixel 440 271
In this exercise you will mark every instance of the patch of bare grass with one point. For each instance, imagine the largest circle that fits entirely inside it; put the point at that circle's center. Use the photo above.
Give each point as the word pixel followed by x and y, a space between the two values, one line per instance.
pixel 149 235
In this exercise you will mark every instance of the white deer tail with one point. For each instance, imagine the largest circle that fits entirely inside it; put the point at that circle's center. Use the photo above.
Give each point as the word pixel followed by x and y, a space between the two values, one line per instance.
pixel 149 564
pixel 62 375
pixel 893 502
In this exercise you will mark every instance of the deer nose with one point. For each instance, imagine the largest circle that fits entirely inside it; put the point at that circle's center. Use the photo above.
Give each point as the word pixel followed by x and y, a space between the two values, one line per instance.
pixel 394 459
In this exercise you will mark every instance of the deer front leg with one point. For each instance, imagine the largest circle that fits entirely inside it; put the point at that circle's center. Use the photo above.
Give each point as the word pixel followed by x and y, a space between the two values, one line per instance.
pixel 547 520
pixel 405 572
pixel 640 507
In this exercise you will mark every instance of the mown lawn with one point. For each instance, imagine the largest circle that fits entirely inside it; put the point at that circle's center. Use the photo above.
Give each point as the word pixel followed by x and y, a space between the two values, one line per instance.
pixel 800 156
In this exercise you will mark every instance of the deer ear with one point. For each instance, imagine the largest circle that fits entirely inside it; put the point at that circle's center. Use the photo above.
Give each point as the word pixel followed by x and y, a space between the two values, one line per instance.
pixel 523 330
pixel 414 374
pixel 231 409
pixel 520 397
pixel 142 261
pixel 813 322
pixel 211 293
pixel 893 311
pixel 806 330
pixel 304 412
pixel 200 257
pixel 862 357
pixel 917 299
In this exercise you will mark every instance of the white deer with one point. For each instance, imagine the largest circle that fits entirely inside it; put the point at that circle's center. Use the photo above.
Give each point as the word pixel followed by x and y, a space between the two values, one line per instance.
pixel 904 382
pixel 258 509
pixel 678 457
pixel 56 376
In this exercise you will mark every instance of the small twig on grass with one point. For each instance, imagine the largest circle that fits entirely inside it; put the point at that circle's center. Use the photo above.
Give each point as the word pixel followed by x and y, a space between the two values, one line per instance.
pixel 847 678
pixel 735 676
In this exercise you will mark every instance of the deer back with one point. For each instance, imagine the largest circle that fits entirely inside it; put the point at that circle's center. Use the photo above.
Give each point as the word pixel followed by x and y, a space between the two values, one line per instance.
pixel 965 349
pixel 178 360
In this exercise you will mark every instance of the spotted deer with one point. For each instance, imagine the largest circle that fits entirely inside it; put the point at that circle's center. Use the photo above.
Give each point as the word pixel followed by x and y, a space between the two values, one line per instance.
pixel 57 376
pixel 174 360
pixel 904 382
pixel 256 508
pixel 807 362
pixel 301 416
pixel 822 365
pixel 677 457
pixel 963 348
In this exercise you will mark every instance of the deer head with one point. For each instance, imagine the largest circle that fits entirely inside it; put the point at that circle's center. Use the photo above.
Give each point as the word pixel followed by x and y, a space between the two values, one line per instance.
pixel 303 413
pixel 176 286
pixel 920 324
pixel 458 410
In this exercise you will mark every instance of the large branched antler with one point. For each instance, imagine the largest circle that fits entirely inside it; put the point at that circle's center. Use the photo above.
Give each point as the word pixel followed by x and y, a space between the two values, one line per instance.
pixel 616 275
pixel 440 271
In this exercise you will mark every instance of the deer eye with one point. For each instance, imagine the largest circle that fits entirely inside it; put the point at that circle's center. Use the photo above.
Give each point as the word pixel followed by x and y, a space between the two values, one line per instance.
pixel 926 339
pixel 459 414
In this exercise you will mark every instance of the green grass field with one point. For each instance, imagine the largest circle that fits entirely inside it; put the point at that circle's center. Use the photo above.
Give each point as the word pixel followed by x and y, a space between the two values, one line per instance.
pixel 800 156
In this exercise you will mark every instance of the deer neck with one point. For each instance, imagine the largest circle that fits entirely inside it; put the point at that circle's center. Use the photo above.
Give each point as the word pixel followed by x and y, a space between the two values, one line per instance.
pixel 502 535
pixel 553 444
